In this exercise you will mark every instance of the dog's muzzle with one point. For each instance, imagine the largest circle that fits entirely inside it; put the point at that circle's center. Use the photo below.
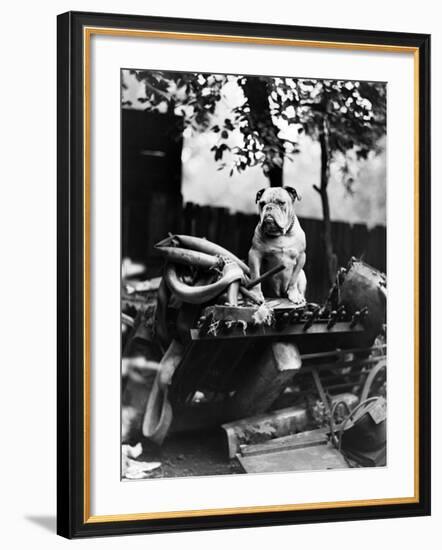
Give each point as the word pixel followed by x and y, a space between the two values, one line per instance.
pixel 272 219
pixel 270 225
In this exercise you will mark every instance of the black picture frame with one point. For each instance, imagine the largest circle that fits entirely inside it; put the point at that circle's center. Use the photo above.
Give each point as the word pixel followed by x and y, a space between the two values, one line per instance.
pixel 71 391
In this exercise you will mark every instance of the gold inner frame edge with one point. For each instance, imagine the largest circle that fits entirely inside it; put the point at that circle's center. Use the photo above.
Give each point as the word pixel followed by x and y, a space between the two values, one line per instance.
pixel 134 33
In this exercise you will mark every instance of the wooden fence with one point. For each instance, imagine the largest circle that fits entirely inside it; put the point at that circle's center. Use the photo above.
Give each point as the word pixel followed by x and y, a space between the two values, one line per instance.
pixel 235 230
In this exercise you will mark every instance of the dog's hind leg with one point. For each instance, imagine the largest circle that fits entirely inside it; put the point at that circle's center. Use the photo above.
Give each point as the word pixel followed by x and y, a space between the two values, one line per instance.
pixel 298 284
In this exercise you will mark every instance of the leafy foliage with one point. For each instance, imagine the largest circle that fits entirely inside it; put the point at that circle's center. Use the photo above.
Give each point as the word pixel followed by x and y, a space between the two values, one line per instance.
pixel 191 95
pixel 262 129
pixel 355 110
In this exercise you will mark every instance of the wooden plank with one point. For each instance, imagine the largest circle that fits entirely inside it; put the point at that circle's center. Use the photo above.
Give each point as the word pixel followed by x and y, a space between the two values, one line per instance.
pixel 202 222
pixel 317 457
pixel 288 442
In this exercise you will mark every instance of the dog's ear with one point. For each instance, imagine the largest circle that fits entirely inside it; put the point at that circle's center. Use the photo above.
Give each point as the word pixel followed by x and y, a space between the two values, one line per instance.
pixel 293 193
pixel 259 194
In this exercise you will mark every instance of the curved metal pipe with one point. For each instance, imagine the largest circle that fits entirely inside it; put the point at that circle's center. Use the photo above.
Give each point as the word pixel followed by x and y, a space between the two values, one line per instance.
pixel 200 294
pixel 382 364
pixel 202 245
pixel 193 258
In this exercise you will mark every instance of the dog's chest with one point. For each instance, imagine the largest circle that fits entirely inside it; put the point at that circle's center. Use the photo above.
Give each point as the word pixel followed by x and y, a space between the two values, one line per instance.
pixel 286 252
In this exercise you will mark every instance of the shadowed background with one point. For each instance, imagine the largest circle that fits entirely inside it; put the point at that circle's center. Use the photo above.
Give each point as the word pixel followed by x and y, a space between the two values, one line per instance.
pixel 171 182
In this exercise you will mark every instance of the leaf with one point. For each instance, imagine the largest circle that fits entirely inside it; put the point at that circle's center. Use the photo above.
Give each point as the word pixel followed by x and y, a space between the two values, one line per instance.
pixel 228 124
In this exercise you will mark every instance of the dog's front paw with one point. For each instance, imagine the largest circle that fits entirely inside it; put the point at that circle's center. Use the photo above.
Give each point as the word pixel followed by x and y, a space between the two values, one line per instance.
pixel 296 297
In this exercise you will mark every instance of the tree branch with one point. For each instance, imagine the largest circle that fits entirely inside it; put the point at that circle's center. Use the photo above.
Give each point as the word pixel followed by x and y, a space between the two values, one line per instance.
pixel 166 96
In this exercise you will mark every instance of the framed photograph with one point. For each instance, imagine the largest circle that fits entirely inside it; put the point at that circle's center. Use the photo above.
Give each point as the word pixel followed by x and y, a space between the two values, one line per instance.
pixel 243 274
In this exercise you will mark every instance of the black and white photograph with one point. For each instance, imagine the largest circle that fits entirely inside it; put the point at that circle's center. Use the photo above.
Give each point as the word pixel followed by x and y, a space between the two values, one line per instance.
pixel 215 215
pixel 253 274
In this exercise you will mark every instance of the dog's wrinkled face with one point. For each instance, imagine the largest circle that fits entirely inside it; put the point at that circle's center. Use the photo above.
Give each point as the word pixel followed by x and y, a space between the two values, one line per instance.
pixel 276 209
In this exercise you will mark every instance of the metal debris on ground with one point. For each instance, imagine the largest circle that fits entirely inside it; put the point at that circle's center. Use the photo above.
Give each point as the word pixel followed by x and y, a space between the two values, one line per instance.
pixel 135 469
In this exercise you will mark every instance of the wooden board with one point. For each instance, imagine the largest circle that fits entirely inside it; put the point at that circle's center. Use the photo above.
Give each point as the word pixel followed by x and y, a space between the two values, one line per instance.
pixel 316 457
pixel 287 443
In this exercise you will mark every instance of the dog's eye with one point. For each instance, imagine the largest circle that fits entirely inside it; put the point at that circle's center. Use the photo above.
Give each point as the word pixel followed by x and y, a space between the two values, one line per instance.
pixel 262 204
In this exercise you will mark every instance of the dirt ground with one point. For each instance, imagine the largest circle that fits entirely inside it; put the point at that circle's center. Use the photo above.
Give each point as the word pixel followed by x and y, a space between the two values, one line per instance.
pixel 192 454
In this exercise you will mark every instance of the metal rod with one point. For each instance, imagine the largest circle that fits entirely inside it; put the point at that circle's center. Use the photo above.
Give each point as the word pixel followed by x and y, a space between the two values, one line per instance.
pixel 320 390
pixel 265 275
pixel 343 352
pixel 250 295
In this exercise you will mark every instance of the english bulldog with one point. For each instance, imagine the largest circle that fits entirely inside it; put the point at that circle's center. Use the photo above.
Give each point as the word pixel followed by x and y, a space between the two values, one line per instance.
pixel 279 238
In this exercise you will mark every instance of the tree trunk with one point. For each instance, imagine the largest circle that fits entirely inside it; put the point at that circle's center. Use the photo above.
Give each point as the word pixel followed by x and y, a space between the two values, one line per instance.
pixel 275 176
pixel 257 94
pixel 322 190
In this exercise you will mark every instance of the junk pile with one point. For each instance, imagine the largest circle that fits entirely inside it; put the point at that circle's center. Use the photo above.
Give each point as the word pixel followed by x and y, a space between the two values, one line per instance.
pixel 215 354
